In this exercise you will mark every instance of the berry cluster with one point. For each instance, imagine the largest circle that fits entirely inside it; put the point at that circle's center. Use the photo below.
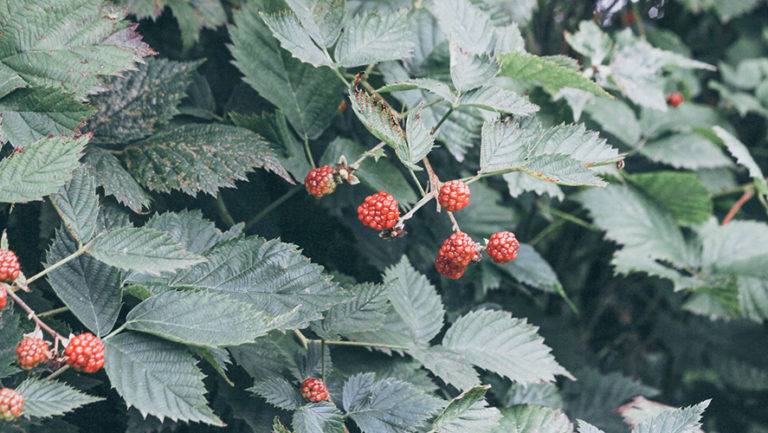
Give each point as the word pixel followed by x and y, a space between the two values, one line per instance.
pixel 9 266
pixel 459 250
pixel 502 247
pixel 379 211
pixel 321 181
pixel 11 404
pixel 314 390
pixel 454 195
pixel 85 352
pixel 31 352
pixel 3 297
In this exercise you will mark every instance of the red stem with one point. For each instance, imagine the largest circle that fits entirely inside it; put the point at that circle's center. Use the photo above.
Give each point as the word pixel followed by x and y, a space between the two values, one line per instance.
pixel 31 313
pixel 736 206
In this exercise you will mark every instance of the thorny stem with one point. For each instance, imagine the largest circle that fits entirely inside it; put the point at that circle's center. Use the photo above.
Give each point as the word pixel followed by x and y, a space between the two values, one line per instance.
pixel 54 311
pixel 309 152
pixel 31 313
pixel 223 211
pixel 271 207
pixel 736 206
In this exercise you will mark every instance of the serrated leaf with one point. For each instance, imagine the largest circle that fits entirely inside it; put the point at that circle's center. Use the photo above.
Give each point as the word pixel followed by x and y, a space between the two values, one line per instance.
pixel 724 250
pixel 363 311
pixel 508 346
pixel 140 102
pixel 157 378
pixel 189 228
pixel 40 168
pixel 743 157
pixel 66 44
pixel 686 420
pixel 616 118
pixel 530 268
pixel 540 394
pixel 448 365
pixel 200 158
pixel 116 181
pixel 470 71
pixel 465 23
pixel 323 19
pixel 468 412
pixel 379 118
pixel 686 150
pixel 420 140
pixel 145 250
pixel 30 114
pixel 590 41
pixel 194 15
pixel 198 318
pixel 494 98
pixel 546 72
pixel 682 194
pixel 300 90
pixel 320 417
pixel 533 419
pixel 47 398
pixel 519 182
pixel 387 405
pixel 78 205
pixel 437 87
pixel 287 29
pixel 375 37
pixel 279 393
pixel 89 288
pixel 585 427
pixel 271 275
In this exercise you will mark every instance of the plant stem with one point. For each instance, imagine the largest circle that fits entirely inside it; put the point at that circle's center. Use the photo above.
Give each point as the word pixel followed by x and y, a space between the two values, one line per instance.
pixel 440 122
pixel 223 211
pixel 57 372
pixel 31 313
pixel 355 165
pixel 638 19
pixel 424 200
pixel 54 311
pixel 456 227
pixel 120 329
pixel 736 206
pixel 322 358
pixel 364 344
pixel 309 152
pixel 428 104
pixel 81 249
pixel 416 180
pixel 544 233
pixel 302 339
pixel 272 206
pixel 567 216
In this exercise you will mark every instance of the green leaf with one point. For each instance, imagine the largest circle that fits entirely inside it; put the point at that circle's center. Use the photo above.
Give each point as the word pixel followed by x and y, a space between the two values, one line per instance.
pixel 687 150
pixel 189 229
pixel 47 398
pixel 278 427
pixel 9 331
pixel 520 182
pixel 141 249
pixel 307 95
pixel 546 72
pixel 585 427
pixel 279 393
pixel 682 194
pixel 139 103
pixel 724 250
pixel 530 268
pixel 78 205
pixel 448 365
pixel 363 311
pixel 741 153
pixel 437 87
pixel 198 318
pixel 193 16
pixel 494 98
pixel 271 275
pixel 684 420
pixel 40 168
pixel 115 179
pixel 590 41
pixel 320 417
pixel 65 44
pixel 468 412
pixel 495 341
pixel 30 114
pixel 287 29
pixel 533 419
pixel 323 19
pixel 158 378
pixel 193 158
pixel 375 37
pixel 465 23
pixel 379 118
pixel 89 288
pixel 616 118
pixel 420 140
pixel 387 405
pixel 470 71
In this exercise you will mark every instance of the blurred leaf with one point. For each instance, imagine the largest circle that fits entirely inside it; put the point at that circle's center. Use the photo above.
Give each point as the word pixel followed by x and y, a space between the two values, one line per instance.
pixel 743 157
pixel 687 150
pixel 468 412
pixel 590 41
pixel 464 23
pixel 682 194
pixel 497 99
pixel 615 117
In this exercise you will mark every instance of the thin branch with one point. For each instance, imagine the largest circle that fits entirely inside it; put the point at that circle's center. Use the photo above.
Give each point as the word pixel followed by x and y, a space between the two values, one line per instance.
pixel 61 262
pixel 31 313
pixel 223 211
pixel 54 311
pixel 736 206
pixel 272 206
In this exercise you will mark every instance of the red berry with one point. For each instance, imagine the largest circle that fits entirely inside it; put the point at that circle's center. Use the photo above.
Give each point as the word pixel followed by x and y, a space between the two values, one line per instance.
pixel 448 268
pixel 3 297
pixel 31 352
pixel 11 404
pixel 9 266
pixel 460 249
pixel 454 195
pixel 321 181
pixel 85 353
pixel 675 99
pixel 502 247
pixel 314 390
pixel 379 211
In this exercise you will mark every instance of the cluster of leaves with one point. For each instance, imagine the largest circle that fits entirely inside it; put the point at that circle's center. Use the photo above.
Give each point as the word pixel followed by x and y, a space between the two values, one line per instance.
pixel 119 144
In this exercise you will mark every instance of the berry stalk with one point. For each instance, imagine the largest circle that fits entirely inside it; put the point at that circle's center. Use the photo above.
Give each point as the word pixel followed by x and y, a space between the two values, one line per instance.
pixel 31 313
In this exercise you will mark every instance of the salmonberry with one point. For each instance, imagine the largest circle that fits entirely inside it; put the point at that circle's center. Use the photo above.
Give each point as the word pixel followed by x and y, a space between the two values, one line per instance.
pixel 454 195
pixel 460 249
pixel 502 247
pixel 3 297
pixel 31 352
pixel 321 181
pixel 11 404
pixel 448 268
pixel 314 390
pixel 379 211
pixel 85 352
pixel 9 266
pixel 675 99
